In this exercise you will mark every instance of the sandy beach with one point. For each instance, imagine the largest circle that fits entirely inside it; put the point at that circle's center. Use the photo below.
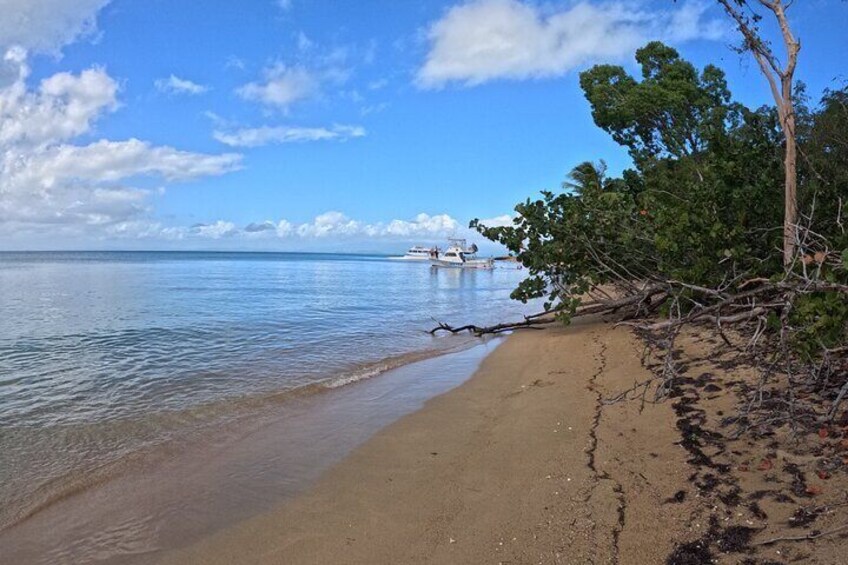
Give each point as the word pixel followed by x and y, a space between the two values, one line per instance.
pixel 519 465
pixel 527 462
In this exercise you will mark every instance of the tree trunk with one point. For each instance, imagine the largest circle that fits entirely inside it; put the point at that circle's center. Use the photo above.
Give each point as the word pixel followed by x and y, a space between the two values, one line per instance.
pixel 782 93
pixel 790 215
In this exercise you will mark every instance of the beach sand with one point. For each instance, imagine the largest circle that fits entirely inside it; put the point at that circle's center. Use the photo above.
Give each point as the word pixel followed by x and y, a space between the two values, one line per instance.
pixel 521 464
pixel 527 463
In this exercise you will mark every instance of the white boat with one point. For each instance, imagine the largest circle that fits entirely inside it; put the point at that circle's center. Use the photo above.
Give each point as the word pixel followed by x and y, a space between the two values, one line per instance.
pixel 458 255
pixel 418 253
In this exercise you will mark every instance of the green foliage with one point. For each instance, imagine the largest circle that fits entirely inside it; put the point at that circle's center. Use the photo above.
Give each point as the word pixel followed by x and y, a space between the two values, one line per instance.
pixel 560 237
pixel 820 321
pixel 672 113
pixel 706 180
pixel 703 203
pixel 715 211
pixel 710 167
pixel 823 166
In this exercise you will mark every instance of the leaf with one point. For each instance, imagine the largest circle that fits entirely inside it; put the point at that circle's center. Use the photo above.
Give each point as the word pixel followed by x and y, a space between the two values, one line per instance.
pixel 814 490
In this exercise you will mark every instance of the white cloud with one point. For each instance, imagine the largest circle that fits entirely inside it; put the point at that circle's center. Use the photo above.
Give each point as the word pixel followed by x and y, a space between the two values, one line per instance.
pixel 336 225
pixel 504 220
pixel 331 230
pixel 687 23
pixel 423 225
pixel 176 85
pixel 111 161
pixel 329 223
pixel 332 226
pixel 284 5
pixel 373 108
pixel 282 86
pixel 254 137
pixel 45 26
pixel 303 42
pixel 63 106
pixel 87 184
pixel 48 181
pixel 259 227
pixel 234 62
pixel 378 84
pixel 483 40
pixel 284 228
pixel 215 230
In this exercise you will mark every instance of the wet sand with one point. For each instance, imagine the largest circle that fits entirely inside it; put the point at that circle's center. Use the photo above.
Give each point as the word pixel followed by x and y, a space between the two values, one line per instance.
pixel 521 464
pixel 177 493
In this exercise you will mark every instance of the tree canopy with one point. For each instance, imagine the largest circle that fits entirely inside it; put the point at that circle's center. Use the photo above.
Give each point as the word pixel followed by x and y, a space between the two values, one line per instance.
pixel 702 205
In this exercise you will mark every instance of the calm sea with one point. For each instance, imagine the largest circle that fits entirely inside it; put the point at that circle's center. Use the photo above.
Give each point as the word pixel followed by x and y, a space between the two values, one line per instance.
pixel 106 357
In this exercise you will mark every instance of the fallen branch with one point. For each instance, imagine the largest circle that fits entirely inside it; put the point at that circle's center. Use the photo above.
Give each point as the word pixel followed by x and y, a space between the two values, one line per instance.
pixel 531 323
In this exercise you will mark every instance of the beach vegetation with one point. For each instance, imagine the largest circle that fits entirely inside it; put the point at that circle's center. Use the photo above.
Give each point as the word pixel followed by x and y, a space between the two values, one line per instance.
pixel 694 232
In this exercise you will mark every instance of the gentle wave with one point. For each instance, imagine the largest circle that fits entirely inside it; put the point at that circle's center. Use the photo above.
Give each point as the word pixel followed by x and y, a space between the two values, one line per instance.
pixel 217 413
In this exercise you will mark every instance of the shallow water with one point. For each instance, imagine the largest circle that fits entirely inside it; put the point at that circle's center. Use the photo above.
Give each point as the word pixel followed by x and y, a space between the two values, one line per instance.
pixel 193 487
pixel 114 362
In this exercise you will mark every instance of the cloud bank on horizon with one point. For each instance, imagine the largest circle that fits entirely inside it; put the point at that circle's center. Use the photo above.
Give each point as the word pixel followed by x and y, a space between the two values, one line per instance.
pixel 59 179
pixel 335 226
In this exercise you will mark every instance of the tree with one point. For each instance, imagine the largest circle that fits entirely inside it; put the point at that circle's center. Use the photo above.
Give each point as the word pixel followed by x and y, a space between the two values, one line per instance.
pixel 673 112
pixel 577 239
pixel 823 170
pixel 780 78
pixel 708 167
pixel 692 232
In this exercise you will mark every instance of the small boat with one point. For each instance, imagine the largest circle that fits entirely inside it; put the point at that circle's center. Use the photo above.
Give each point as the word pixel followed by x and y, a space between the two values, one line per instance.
pixel 418 253
pixel 458 255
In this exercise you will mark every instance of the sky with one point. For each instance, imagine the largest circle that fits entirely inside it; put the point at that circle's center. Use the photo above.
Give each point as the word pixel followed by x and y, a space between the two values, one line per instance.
pixel 318 125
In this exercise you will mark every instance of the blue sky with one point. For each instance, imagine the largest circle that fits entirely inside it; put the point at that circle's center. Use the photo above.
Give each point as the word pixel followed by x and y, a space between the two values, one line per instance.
pixel 319 125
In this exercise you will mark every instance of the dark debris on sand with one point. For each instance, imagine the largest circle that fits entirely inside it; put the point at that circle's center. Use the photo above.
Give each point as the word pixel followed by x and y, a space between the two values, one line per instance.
pixel 718 484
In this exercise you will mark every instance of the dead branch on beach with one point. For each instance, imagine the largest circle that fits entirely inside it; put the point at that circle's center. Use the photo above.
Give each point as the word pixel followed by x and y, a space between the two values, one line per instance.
pixel 801 385
pixel 534 322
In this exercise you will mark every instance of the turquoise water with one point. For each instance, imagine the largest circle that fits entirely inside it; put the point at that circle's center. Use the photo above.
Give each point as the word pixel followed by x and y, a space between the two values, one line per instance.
pixel 105 357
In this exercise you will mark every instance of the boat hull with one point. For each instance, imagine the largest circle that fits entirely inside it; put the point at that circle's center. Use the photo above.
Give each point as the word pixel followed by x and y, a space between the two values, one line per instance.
pixel 470 264
pixel 408 258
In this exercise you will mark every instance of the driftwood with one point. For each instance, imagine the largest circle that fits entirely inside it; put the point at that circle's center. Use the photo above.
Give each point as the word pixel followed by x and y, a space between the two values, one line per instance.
pixel 533 322
pixel 637 302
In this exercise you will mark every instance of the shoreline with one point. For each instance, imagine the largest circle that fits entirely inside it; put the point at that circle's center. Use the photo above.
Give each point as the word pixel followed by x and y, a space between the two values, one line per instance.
pixel 239 409
pixel 187 489
pixel 518 464
pixel 148 358
pixel 531 460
